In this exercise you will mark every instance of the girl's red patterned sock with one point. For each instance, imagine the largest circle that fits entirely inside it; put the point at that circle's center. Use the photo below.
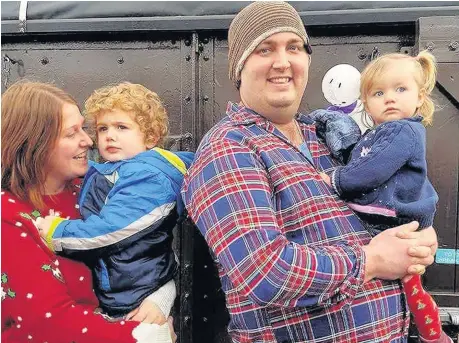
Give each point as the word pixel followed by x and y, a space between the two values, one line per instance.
pixel 424 309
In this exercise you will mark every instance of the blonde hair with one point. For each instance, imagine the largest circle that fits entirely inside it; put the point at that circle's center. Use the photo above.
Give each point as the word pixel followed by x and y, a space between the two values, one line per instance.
pixel 426 72
pixel 31 126
pixel 145 105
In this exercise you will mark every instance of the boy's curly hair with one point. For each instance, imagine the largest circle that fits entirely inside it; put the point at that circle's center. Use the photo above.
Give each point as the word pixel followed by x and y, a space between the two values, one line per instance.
pixel 136 99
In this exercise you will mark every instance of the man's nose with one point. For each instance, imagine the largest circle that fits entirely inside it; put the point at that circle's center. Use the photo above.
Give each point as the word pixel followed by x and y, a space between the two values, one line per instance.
pixel 282 60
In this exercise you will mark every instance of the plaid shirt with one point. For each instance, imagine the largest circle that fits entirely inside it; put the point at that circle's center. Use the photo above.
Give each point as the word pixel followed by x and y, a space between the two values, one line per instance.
pixel 287 248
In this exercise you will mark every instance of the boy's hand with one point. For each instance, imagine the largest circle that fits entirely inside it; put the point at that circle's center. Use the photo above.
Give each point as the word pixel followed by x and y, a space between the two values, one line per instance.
pixel 147 312
pixel 44 224
pixel 326 178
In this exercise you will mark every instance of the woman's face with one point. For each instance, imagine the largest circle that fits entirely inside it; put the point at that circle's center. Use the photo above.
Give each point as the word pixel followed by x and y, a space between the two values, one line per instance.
pixel 68 159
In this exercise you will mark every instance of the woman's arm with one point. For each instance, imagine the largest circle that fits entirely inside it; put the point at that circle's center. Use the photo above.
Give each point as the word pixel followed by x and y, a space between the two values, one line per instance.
pixel 37 303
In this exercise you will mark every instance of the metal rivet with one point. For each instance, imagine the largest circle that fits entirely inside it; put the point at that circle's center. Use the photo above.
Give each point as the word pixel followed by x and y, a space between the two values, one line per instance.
pixel 453 46
pixel 430 46
pixel 188 58
pixel 205 40
pixel 206 58
pixel 206 98
pixel 205 296
pixel 362 55
pixel 44 60
pixel 187 318
pixel 187 42
pixel 120 60
pixel 205 266
pixel 188 98
pixel 187 295
pixel 204 319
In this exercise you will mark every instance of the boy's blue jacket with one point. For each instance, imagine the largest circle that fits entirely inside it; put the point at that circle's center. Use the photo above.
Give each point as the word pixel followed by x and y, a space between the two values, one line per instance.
pixel 129 209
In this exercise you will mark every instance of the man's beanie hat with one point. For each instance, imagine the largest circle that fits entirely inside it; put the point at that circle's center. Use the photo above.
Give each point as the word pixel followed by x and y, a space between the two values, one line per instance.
pixel 255 23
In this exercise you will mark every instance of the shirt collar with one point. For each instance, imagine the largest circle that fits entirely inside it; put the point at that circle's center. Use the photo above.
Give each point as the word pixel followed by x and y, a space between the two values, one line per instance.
pixel 241 115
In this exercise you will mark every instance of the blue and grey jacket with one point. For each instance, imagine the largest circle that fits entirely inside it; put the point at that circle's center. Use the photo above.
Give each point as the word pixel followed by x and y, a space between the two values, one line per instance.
pixel 129 209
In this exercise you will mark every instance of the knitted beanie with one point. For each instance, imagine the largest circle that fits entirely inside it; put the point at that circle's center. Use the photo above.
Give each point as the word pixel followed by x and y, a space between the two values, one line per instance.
pixel 255 23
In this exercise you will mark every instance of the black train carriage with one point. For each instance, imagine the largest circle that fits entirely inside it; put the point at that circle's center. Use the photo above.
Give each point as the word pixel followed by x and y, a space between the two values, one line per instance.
pixel 179 49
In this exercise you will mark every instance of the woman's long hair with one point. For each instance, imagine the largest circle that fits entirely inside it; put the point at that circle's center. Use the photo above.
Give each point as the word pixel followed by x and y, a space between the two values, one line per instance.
pixel 31 126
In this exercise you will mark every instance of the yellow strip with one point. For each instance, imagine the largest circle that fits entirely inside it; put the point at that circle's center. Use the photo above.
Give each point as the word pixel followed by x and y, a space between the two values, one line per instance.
pixel 49 236
pixel 173 159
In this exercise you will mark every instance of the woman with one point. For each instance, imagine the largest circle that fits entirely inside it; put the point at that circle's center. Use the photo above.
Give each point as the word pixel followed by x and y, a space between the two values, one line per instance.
pixel 46 298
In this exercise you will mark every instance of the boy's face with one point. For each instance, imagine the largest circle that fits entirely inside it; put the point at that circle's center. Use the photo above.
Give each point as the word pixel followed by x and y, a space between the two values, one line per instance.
pixel 119 136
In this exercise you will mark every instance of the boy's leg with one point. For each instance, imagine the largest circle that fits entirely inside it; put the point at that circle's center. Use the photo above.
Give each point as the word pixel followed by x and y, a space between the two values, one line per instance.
pixel 425 311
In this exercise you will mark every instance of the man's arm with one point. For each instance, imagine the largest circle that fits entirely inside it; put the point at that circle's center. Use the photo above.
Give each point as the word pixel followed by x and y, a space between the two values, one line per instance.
pixel 139 205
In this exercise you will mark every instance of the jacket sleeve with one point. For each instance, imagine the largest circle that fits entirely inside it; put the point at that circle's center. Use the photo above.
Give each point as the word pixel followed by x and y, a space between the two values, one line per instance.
pixel 391 149
pixel 229 196
pixel 37 305
pixel 138 204
pixel 339 131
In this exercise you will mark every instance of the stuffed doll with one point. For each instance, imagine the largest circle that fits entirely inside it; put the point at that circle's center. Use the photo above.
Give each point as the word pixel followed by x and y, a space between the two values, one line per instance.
pixel 341 88
pixel 340 124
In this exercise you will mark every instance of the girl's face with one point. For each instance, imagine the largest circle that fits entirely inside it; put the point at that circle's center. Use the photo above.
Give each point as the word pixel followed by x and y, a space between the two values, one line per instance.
pixel 395 93
pixel 68 160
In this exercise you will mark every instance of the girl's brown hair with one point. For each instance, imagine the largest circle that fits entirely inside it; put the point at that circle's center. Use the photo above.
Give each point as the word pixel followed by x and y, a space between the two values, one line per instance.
pixel 31 125
pixel 426 73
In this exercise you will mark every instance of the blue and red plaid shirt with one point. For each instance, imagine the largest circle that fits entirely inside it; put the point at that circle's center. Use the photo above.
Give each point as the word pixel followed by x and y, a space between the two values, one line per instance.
pixel 288 250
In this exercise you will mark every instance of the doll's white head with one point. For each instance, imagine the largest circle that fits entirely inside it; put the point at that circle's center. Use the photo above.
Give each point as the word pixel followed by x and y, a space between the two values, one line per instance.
pixel 341 85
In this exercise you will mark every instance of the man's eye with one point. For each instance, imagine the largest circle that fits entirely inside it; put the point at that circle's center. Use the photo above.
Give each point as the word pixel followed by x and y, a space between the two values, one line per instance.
pixel 264 51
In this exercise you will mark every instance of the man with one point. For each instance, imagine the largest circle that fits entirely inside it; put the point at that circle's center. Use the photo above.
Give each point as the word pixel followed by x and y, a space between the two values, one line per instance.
pixel 295 263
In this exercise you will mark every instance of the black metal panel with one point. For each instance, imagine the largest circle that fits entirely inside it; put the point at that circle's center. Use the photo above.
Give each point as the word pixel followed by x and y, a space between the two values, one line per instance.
pixel 190 73
pixel 440 35
pixel 443 171
pixel 72 16
pixel 165 66
pixel 95 9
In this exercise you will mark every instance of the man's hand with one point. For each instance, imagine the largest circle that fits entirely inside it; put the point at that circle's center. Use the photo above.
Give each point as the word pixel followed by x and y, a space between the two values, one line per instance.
pixel 326 178
pixel 44 224
pixel 389 257
pixel 147 312
pixel 427 234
